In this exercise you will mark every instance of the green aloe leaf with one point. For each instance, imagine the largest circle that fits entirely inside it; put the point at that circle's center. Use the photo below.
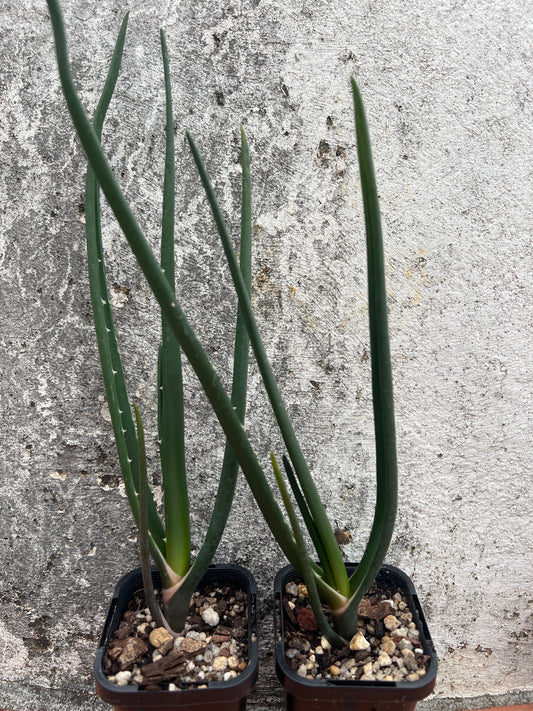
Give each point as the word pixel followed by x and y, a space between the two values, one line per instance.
pixel 308 520
pixel 382 390
pixel 305 563
pixel 170 380
pixel 177 607
pixel 114 381
pixel 330 546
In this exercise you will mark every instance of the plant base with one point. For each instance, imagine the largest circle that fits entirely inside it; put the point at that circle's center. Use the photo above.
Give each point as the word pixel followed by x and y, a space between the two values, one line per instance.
pixel 303 694
pixel 217 696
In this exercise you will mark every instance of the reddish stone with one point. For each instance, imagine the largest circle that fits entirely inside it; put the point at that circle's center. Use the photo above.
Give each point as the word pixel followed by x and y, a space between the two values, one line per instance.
pixel 306 619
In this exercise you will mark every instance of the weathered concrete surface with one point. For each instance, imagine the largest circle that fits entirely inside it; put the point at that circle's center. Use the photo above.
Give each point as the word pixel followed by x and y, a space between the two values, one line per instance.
pixel 447 86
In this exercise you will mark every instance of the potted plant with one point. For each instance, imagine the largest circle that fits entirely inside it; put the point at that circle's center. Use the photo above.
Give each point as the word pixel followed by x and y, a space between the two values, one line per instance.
pixel 319 676
pixel 392 669
pixel 335 591
pixel 167 541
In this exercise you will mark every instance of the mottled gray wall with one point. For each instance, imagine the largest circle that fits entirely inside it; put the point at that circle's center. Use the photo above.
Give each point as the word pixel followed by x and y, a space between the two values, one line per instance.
pixel 447 87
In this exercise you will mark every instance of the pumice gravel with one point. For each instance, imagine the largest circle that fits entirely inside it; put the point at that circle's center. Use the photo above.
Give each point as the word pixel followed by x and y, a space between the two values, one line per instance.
pixel 212 647
pixel 386 646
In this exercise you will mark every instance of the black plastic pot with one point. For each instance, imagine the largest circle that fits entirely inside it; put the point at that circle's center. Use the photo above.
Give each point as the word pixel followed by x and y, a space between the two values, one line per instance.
pixel 219 695
pixel 332 695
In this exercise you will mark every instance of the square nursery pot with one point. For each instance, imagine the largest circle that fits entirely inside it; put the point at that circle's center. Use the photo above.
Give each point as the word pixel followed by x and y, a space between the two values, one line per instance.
pixel 219 695
pixel 303 694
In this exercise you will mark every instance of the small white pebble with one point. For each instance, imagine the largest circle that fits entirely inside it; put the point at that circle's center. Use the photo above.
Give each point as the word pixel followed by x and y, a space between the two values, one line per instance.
pixel 220 664
pixel 388 646
pixel 384 660
pixel 210 617
pixel 122 678
pixel 291 589
pixel 172 687
pixel 359 642
pixel 302 670
pixel 391 622
pixel 348 664
pixel 405 644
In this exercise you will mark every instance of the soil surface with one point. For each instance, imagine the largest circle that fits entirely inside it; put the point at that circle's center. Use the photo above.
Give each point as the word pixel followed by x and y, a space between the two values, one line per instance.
pixel 213 646
pixel 386 647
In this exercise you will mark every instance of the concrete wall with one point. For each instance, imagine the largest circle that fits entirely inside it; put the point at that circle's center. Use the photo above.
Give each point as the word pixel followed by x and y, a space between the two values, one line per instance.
pixel 446 86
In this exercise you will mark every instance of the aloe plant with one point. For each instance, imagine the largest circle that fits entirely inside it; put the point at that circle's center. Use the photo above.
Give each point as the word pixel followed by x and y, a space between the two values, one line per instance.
pixel 169 542
pixel 327 581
